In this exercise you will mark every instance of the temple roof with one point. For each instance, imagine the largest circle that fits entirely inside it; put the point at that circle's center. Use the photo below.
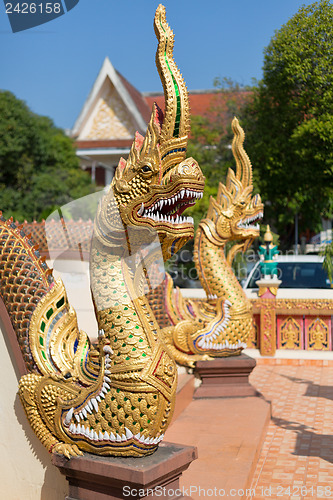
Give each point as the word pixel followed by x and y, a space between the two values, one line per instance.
pixel 113 110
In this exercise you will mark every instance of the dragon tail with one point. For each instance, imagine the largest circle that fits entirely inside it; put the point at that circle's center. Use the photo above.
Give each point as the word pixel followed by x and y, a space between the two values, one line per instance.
pixel 44 322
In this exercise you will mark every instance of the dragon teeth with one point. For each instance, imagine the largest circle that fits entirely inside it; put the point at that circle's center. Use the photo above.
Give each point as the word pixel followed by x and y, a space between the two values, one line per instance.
pixel 69 416
pixel 140 212
pixel 115 438
pixel 107 349
pixel 94 404
pixel 129 434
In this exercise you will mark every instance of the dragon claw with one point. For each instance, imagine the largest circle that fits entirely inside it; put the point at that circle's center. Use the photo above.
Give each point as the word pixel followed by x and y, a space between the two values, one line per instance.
pixel 68 450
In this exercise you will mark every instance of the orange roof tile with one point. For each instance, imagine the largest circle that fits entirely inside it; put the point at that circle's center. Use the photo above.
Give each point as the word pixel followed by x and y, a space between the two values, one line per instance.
pixel 105 143
pixel 205 103
pixel 137 97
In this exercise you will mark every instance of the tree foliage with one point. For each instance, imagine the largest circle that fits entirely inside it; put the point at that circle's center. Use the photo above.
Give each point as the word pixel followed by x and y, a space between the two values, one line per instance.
pixel 211 137
pixel 210 145
pixel 38 166
pixel 289 122
pixel 328 261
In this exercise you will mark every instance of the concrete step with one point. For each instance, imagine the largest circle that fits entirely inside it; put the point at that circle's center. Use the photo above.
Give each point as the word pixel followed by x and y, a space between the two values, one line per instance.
pixel 228 433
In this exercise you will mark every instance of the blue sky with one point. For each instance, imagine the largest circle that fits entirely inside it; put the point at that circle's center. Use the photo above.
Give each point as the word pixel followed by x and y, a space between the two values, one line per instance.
pixel 52 67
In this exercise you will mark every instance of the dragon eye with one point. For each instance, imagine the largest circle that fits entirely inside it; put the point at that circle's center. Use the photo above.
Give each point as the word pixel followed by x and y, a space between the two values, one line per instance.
pixel 146 169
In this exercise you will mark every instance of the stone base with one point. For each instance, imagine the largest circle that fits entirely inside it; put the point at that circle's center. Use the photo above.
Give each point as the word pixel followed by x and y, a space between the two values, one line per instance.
pixel 225 377
pixel 93 477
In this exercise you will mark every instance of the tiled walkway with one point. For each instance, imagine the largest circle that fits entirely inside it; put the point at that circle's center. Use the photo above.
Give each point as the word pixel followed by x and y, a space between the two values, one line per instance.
pixel 296 461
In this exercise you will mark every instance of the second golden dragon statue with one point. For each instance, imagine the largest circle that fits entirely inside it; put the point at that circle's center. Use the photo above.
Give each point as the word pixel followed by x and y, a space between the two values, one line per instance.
pixel 220 325
pixel 116 398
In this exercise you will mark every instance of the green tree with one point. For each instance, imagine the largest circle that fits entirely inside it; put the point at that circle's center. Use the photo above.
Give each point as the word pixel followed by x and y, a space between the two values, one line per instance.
pixel 289 122
pixel 210 145
pixel 328 261
pixel 39 170
pixel 211 137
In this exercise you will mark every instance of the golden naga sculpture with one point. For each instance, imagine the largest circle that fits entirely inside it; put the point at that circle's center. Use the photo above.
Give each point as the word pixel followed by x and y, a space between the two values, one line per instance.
pixel 116 398
pixel 220 325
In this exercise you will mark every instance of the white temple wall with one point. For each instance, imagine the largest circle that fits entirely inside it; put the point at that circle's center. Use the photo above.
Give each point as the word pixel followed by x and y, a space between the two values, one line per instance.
pixel 26 471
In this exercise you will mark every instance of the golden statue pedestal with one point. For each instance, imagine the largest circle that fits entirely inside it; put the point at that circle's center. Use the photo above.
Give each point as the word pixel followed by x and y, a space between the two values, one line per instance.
pixel 268 287
pixel 225 377
pixel 94 477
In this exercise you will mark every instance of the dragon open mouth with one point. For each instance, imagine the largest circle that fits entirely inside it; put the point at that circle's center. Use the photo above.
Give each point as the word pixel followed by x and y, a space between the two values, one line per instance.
pixel 169 209
pixel 250 222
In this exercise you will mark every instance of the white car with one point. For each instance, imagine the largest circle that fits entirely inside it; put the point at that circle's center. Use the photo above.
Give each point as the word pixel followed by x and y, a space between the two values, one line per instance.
pixel 301 276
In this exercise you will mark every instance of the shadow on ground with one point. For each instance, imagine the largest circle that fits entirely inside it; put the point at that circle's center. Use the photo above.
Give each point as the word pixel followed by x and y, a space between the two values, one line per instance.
pixel 308 443
pixel 313 390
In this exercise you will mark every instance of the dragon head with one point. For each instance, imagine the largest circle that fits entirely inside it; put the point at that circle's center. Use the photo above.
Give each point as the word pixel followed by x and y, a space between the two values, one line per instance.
pixel 151 190
pixel 235 213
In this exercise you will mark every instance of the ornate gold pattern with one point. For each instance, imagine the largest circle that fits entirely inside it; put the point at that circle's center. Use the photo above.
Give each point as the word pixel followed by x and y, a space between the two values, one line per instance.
pixel 290 334
pixel 306 304
pixel 252 340
pixel 296 308
pixel 221 325
pixel 111 119
pixel 263 290
pixel 116 398
pixel 317 335
pixel 268 328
